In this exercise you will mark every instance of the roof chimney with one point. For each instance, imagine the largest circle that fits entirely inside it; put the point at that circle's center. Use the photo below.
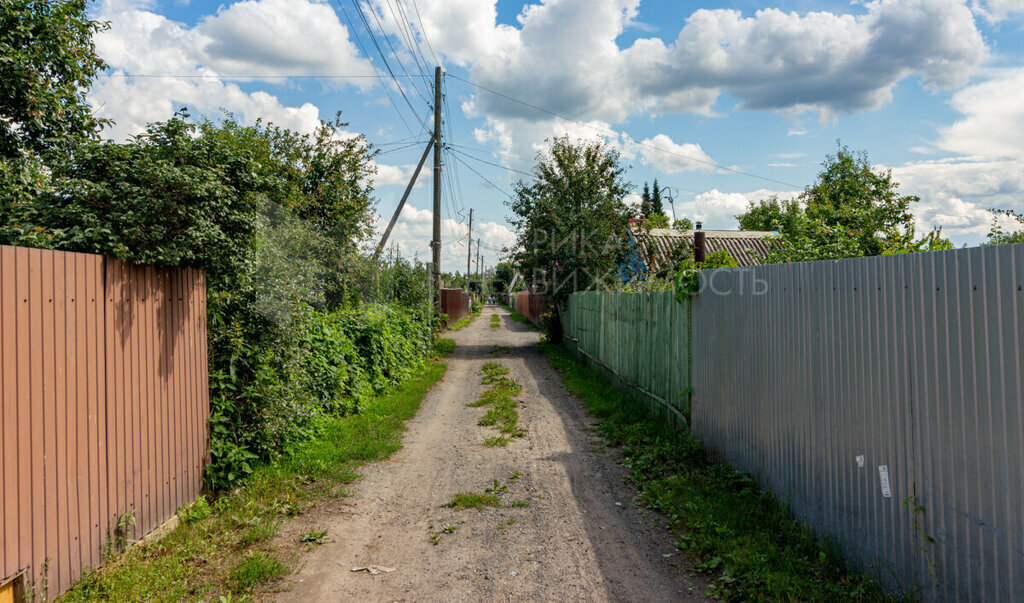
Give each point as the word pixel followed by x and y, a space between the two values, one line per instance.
pixel 699 245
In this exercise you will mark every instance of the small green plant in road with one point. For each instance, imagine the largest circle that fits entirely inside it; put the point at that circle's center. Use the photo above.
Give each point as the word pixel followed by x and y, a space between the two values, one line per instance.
pixel 493 370
pixel 500 397
pixel 735 532
pixel 474 500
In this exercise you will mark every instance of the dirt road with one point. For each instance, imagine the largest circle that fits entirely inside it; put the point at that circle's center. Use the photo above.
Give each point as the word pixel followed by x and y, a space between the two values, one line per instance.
pixel 579 538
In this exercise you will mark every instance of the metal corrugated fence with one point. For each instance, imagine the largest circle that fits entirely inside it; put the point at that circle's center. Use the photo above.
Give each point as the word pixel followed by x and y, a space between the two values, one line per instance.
pixel 530 305
pixel 455 304
pixel 860 389
pixel 104 405
pixel 640 341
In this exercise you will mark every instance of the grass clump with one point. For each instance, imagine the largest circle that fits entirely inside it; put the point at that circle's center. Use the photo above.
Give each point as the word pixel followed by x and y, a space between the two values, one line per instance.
pixel 500 397
pixel 492 371
pixel 257 569
pixel 462 324
pixel 474 500
pixel 223 545
pixel 741 535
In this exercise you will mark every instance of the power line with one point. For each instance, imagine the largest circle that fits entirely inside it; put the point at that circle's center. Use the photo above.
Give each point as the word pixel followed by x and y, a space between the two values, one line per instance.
pixel 373 38
pixel 394 53
pixel 490 152
pixel 497 165
pixel 423 32
pixel 295 76
pixel 418 144
pixel 359 41
pixel 482 177
pixel 616 134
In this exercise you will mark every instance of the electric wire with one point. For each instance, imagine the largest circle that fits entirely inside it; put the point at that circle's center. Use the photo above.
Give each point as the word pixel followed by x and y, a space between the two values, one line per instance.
pixel 294 76
pixel 423 32
pixel 497 165
pixel 387 40
pixel 373 38
pixel 484 178
pixel 616 134
pixel 362 47
pixel 412 33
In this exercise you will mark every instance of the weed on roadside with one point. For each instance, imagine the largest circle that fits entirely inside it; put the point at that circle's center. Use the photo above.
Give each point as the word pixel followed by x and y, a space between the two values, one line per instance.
pixel 313 537
pixel 740 535
pixel 462 324
pixel 220 544
pixel 256 569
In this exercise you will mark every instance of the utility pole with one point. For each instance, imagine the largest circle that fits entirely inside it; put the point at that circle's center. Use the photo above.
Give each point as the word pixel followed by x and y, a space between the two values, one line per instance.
pixel 435 244
pixel 479 274
pixel 469 252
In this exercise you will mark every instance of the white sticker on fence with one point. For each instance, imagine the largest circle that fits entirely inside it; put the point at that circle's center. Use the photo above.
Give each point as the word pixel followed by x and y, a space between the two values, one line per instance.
pixel 860 461
pixel 883 476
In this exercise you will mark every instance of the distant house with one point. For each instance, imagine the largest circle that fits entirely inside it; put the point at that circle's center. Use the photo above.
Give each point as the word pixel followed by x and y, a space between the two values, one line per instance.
pixel 660 248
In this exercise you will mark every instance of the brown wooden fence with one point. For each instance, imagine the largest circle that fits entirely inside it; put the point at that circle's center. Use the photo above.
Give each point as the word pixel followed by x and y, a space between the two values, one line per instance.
pixel 454 303
pixel 104 406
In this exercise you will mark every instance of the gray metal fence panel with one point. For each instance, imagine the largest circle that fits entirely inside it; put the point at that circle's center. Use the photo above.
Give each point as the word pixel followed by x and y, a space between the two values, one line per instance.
pixel 881 398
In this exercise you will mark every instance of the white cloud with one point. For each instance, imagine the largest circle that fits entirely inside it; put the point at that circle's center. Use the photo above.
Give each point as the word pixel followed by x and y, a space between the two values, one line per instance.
pixel 671 158
pixel 995 11
pixel 278 37
pixel 718 210
pixel 413 231
pixel 264 38
pixel 993 123
pixel 956 193
pixel 988 171
pixel 564 56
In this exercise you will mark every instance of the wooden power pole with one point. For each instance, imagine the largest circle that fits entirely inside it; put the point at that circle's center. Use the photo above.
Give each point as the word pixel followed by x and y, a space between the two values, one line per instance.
pixel 469 252
pixel 435 244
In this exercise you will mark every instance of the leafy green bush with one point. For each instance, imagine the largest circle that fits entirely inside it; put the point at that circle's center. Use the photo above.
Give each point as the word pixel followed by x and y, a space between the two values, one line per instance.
pixel 296 325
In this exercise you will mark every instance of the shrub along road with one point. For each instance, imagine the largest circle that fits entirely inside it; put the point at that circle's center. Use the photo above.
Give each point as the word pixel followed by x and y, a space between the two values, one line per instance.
pixel 542 514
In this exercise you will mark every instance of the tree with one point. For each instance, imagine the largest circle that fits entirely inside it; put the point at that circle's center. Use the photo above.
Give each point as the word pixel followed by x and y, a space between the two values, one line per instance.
pixel 999 234
pixel 645 201
pixel 683 224
pixel 850 211
pixel 47 62
pixel 570 220
pixel 657 207
pixel 656 220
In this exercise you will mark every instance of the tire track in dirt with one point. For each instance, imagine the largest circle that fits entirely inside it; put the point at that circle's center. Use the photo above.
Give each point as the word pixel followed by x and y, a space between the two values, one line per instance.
pixel 580 538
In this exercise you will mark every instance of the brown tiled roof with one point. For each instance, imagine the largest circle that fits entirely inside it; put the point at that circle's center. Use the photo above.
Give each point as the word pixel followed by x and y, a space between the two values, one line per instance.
pixel 660 243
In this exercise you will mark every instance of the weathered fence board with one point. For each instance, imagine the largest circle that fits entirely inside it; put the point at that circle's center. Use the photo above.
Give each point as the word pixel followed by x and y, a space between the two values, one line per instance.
pixel 640 341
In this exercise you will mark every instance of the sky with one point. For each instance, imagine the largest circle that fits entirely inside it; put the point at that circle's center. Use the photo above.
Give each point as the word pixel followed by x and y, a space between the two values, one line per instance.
pixel 722 102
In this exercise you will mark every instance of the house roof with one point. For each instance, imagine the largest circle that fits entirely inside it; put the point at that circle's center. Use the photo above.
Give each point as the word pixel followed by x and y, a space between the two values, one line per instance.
pixel 660 243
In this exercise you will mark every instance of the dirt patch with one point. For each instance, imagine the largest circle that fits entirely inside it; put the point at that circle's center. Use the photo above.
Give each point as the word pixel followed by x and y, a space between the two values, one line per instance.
pixel 564 526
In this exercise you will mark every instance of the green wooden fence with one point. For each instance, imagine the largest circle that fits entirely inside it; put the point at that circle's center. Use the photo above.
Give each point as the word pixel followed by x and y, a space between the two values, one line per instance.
pixel 639 341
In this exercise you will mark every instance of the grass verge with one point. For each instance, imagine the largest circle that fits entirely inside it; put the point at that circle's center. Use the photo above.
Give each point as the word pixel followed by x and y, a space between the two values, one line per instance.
pixel 738 534
pixel 224 546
